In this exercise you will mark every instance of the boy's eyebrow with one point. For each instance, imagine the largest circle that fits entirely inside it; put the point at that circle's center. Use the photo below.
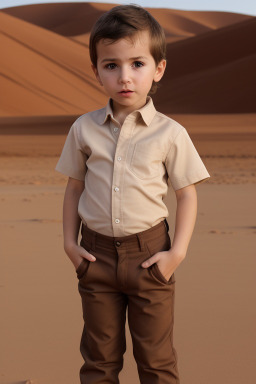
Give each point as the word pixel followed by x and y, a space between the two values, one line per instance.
pixel 131 58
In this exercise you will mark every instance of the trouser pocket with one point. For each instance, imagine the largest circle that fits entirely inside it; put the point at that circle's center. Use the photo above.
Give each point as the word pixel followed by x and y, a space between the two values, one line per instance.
pixel 159 245
pixel 82 268
pixel 157 274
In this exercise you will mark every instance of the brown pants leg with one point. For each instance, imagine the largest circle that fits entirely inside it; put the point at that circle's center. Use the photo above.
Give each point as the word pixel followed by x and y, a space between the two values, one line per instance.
pixel 114 283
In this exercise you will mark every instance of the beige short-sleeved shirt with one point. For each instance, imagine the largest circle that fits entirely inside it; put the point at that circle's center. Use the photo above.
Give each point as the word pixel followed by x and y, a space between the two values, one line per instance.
pixel 127 169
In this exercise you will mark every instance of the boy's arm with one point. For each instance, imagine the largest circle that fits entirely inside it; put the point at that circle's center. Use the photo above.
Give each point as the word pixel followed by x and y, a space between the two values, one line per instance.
pixel 186 212
pixel 72 222
pixel 185 219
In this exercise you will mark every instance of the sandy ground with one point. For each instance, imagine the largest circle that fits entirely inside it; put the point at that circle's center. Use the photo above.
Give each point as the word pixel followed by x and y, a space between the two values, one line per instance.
pixel 41 318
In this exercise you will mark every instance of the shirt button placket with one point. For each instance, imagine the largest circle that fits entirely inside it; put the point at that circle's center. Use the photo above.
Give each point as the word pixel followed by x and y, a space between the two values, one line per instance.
pixel 116 203
pixel 115 198
pixel 118 174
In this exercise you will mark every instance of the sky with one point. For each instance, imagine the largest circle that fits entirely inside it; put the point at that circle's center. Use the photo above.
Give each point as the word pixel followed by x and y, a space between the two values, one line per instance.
pixel 237 6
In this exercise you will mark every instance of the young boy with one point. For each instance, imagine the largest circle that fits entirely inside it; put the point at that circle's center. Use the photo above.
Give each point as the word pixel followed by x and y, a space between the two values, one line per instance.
pixel 120 161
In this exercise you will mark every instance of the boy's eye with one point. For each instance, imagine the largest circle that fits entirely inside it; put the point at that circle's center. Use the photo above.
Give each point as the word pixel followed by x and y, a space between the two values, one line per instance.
pixel 138 64
pixel 111 66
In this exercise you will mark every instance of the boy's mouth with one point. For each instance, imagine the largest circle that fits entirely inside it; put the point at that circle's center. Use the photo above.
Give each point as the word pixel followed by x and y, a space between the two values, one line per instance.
pixel 125 92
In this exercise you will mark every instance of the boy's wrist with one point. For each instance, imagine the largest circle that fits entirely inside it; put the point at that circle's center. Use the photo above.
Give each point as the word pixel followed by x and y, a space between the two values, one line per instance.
pixel 69 245
pixel 178 253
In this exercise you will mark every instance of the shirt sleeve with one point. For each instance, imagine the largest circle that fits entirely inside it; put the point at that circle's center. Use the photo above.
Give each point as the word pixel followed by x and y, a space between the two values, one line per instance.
pixel 72 161
pixel 183 163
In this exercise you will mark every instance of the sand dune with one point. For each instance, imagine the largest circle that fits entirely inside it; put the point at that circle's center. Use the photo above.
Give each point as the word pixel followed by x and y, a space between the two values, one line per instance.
pixel 46 69
pixel 183 24
pixel 212 73
pixel 44 73
pixel 69 19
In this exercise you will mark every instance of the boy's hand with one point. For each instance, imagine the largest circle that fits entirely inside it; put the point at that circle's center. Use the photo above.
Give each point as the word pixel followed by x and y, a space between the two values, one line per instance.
pixel 76 253
pixel 167 262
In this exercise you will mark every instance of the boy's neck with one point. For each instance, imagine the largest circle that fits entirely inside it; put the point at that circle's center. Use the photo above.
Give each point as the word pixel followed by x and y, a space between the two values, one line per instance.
pixel 121 112
pixel 121 116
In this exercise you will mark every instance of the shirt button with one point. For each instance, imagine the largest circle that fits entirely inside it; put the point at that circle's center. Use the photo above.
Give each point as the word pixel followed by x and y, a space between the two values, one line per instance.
pixel 119 158
pixel 117 221
pixel 118 243
pixel 116 189
pixel 115 129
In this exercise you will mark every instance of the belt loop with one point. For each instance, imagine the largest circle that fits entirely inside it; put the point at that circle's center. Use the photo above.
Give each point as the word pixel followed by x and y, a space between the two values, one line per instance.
pixel 141 241
pixel 93 241
pixel 166 224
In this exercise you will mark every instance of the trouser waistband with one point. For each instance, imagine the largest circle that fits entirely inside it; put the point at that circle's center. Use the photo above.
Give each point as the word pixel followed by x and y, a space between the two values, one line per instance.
pixel 100 240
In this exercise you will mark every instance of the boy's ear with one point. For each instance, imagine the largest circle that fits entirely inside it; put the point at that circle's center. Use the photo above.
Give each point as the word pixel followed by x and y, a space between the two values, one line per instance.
pixel 160 68
pixel 96 73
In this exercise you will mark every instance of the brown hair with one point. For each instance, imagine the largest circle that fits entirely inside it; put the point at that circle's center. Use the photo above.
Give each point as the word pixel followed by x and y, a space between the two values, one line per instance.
pixel 125 21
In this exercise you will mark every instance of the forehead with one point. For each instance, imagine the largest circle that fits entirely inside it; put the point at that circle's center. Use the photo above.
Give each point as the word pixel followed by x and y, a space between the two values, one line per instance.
pixel 136 45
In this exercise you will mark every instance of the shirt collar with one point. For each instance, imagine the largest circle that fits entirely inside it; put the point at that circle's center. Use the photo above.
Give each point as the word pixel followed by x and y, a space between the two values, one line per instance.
pixel 147 112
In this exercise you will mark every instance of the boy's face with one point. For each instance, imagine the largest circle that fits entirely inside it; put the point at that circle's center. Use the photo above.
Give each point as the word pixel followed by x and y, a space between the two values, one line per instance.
pixel 126 70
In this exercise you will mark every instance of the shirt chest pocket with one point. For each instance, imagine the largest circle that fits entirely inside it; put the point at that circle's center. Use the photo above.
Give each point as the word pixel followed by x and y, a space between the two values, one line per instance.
pixel 146 160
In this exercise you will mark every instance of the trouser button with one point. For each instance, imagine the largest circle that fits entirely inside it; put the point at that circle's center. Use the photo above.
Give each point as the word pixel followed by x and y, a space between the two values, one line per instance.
pixel 118 243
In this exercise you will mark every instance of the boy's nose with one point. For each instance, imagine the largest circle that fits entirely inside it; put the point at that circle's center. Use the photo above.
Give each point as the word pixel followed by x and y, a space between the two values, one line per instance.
pixel 124 76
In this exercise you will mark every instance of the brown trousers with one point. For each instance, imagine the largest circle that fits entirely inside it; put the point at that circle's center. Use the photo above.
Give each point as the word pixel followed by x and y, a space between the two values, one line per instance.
pixel 114 283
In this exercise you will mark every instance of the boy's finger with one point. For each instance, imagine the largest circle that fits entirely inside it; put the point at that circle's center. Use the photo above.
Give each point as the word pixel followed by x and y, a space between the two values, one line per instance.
pixel 149 261
pixel 88 255
pixel 91 257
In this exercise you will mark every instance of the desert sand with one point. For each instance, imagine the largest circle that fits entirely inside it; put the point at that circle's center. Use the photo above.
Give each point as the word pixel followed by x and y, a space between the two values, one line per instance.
pixel 45 87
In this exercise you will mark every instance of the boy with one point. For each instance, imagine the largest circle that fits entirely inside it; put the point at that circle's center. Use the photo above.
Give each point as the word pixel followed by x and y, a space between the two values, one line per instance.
pixel 120 161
